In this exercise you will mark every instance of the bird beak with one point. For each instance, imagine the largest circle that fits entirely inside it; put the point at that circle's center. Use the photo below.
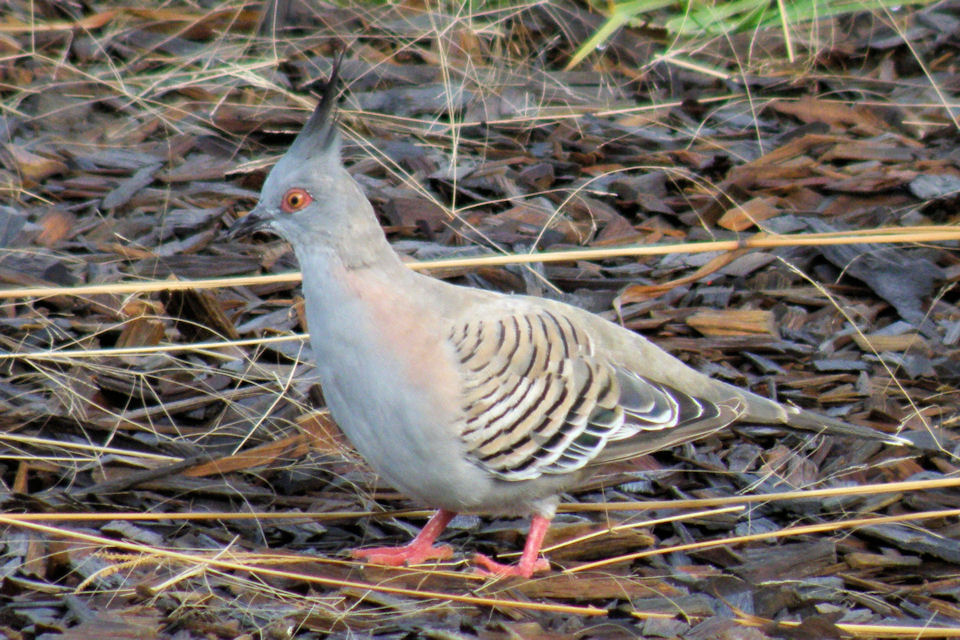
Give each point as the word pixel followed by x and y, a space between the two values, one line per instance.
pixel 256 220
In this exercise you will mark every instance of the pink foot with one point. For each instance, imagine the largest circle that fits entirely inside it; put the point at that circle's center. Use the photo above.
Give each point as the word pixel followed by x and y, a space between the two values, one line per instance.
pixel 407 554
pixel 530 561
pixel 420 548
pixel 488 566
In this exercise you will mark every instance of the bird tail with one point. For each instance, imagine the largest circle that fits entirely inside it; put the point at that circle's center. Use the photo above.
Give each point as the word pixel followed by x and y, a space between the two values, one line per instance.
pixel 766 411
pixel 808 421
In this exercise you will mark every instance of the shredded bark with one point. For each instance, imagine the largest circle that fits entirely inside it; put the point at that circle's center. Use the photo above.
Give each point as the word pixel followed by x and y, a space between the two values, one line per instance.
pixel 132 137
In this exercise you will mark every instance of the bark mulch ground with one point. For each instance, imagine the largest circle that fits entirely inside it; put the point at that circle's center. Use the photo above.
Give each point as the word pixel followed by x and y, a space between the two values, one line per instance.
pixel 167 441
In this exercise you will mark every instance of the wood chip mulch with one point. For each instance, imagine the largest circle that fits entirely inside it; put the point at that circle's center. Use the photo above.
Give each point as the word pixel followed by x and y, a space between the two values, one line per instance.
pixel 130 138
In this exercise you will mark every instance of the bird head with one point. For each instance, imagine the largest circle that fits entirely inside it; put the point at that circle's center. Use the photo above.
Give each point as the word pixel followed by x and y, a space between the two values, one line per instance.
pixel 308 198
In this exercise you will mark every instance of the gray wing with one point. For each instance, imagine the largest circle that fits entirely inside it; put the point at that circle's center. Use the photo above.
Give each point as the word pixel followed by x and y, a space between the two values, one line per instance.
pixel 538 400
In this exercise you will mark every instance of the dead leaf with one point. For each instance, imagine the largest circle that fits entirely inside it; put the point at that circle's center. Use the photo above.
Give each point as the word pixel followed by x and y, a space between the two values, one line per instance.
pixel 56 227
pixel 734 322
pixel 640 292
pixel 33 167
pixel 834 113
pixel 748 214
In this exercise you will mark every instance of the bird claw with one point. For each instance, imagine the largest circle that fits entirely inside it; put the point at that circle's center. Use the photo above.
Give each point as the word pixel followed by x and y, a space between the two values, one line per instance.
pixel 490 567
pixel 407 554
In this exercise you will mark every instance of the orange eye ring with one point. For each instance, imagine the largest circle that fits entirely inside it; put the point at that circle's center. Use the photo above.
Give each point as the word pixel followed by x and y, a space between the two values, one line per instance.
pixel 295 199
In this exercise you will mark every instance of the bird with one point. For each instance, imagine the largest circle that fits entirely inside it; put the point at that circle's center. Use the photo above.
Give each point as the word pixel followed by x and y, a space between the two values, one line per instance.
pixel 474 401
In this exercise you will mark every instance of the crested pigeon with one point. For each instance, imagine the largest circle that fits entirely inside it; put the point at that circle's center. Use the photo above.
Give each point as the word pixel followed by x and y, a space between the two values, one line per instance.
pixel 469 400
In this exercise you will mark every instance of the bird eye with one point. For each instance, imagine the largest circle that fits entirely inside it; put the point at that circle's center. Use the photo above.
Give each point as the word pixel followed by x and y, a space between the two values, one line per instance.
pixel 295 199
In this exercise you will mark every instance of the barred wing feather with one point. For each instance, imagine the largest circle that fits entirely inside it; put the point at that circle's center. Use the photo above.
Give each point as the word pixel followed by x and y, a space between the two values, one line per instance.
pixel 538 399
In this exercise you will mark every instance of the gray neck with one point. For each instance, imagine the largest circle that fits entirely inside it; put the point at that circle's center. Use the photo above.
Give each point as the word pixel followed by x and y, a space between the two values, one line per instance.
pixel 364 246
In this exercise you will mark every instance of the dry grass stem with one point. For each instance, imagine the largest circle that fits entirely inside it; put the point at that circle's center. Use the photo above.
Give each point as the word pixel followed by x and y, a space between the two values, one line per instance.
pixel 787 532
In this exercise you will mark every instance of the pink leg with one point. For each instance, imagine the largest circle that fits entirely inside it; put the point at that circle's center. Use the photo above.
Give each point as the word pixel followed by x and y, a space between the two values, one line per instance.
pixel 417 550
pixel 530 562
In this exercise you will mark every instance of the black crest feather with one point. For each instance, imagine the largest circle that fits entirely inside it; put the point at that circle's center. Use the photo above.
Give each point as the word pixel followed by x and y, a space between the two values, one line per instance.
pixel 320 132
